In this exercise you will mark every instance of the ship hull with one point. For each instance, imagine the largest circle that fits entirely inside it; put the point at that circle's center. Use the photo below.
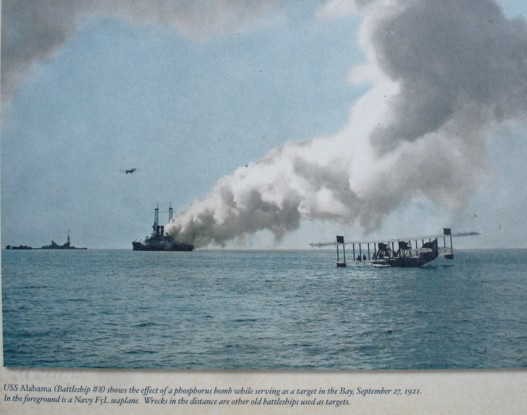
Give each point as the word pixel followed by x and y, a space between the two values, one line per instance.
pixel 61 248
pixel 140 246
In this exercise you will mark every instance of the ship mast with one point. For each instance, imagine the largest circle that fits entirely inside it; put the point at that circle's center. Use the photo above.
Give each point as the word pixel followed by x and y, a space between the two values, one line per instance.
pixel 156 219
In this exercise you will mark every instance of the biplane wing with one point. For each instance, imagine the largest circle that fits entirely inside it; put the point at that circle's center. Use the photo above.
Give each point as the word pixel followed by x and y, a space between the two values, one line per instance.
pixel 406 238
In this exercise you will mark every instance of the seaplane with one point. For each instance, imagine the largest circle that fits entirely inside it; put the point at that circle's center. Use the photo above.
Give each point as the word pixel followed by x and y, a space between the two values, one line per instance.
pixel 129 171
pixel 400 252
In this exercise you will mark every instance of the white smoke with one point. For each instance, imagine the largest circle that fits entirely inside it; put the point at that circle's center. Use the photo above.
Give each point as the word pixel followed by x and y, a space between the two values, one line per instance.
pixel 442 75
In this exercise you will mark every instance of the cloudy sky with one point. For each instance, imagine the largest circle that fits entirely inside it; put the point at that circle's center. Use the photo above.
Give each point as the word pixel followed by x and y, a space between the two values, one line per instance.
pixel 278 119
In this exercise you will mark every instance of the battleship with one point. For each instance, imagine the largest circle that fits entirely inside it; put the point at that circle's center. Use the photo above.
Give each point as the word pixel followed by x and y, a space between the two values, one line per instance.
pixel 66 245
pixel 159 240
pixel 52 245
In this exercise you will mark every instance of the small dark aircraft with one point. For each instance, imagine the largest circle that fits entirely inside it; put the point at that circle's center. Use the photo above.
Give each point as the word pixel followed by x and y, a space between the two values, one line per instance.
pixel 129 171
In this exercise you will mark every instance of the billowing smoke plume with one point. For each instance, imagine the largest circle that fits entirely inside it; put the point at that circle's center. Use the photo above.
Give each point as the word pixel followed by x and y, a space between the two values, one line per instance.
pixel 35 30
pixel 443 75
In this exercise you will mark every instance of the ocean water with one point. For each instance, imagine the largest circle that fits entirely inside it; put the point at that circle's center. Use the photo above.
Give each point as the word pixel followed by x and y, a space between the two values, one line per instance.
pixel 256 310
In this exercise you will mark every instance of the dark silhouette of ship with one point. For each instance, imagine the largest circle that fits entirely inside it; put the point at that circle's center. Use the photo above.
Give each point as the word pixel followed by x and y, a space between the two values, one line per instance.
pixel 52 245
pixel 18 247
pixel 67 245
pixel 159 240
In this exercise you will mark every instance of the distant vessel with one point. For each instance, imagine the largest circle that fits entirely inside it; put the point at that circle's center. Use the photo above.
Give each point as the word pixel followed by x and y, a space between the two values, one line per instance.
pixel 52 245
pixel 18 247
pixel 67 245
pixel 159 241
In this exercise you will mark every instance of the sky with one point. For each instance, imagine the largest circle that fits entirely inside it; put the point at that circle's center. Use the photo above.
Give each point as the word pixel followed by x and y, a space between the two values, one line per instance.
pixel 265 126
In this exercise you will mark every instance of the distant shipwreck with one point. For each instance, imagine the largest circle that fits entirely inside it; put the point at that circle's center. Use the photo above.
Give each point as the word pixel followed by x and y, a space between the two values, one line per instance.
pixel 52 245
pixel 67 245
pixel 159 240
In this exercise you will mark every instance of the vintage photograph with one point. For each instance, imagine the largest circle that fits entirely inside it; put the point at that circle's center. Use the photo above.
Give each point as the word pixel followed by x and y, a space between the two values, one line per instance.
pixel 326 184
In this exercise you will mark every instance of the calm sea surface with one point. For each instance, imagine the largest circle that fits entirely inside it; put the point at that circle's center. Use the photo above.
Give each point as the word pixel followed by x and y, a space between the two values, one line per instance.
pixel 211 309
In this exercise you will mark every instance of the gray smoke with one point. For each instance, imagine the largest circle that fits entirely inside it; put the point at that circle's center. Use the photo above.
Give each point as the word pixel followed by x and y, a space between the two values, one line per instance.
pixel 443 75
pixel 35 30
pixel 449 56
